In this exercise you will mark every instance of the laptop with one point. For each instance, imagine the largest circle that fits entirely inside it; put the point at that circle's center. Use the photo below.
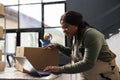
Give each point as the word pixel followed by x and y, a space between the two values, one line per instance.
pixel 28 67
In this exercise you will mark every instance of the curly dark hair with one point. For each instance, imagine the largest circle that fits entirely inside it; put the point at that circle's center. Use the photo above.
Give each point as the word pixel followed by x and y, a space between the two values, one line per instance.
pixel 74 18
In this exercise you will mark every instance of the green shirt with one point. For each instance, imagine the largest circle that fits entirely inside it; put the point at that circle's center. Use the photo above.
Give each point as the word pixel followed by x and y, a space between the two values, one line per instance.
pixel 95 47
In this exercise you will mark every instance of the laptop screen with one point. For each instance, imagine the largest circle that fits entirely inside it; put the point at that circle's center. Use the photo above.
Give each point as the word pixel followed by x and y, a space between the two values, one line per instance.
pixel 29 68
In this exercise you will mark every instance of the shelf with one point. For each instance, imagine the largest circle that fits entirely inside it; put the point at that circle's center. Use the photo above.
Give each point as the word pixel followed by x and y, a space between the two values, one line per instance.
pixel 2 15
pixel 2 38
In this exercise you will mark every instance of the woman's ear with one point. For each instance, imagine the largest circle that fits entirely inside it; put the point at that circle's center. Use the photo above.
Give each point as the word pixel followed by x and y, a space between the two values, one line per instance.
pixel 76 28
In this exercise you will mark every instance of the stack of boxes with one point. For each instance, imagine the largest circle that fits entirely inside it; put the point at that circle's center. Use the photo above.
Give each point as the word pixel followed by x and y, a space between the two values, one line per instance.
pixel 1 32
pixel 2 63
pixel 1 36
pixel 1 9
pixel 1 27
pixel 1 15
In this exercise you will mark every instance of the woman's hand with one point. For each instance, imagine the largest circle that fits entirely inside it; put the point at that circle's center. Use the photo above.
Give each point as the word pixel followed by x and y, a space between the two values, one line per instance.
pixel 53 69
pixel 50 46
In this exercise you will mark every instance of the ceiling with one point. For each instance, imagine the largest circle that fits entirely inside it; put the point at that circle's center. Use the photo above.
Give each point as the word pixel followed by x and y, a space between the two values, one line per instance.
pixel 101 14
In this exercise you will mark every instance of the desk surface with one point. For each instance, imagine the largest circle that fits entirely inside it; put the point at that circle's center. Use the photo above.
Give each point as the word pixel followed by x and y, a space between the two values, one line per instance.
pixel 13 74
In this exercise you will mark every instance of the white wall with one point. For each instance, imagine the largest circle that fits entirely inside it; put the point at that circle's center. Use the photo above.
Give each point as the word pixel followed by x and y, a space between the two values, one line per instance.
pixel 114 44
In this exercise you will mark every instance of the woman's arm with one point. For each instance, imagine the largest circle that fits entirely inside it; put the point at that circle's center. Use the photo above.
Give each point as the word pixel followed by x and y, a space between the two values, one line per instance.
pixel 65 50
pixel 93 44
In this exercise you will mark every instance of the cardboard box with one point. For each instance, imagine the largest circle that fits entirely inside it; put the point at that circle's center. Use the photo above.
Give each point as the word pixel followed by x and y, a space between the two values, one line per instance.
pixel 1 32
pixel 39 57
pixel 2 66
pixel 1 9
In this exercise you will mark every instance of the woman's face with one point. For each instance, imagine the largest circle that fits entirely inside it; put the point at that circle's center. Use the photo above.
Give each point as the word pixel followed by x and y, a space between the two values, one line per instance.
pixel 69 30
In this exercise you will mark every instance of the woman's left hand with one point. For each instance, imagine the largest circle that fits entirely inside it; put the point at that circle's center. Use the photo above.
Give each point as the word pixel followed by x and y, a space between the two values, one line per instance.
pixel 53 69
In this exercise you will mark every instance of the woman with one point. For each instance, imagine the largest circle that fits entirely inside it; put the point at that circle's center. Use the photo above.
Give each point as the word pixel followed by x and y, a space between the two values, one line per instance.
pixel 90 53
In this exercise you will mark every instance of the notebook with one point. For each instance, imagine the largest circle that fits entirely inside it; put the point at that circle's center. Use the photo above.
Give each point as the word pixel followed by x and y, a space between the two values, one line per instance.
pixel 28 67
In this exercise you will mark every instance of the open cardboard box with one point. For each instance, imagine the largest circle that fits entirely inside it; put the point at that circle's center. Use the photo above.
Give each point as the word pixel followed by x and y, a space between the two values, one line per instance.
pixel 39 57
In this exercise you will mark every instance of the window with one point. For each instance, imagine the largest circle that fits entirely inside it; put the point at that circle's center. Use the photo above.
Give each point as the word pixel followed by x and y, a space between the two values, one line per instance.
pixel 29 1
pixel 29 39
pixel 58 35
pixel 9 2
pixel 25 19
pixel 11 17
pixel 30 16
pixel 52 0
pixel 11 43
pixel 52 14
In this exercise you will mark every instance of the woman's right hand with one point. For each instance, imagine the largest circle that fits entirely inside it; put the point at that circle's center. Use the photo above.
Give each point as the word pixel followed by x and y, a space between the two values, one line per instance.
pixel 50 46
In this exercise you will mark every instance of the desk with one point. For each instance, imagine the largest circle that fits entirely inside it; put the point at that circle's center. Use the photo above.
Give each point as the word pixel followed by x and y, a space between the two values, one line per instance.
pixel 13 74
